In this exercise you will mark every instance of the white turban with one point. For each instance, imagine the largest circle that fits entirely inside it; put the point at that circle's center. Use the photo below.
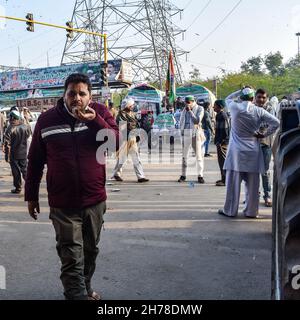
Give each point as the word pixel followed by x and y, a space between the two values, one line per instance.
pixel 127 103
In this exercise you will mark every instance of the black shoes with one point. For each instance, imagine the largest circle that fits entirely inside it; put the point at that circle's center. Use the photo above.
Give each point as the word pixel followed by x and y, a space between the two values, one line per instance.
pixel 220 183
pixel 201 180
pixel 222 213
pixel 16 191
pixel 141 180
pixel 207 155
pixel 117 178
pixel 182 179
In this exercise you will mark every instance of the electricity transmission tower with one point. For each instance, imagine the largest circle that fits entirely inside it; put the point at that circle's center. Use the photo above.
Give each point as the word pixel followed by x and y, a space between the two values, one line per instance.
pixel 141 32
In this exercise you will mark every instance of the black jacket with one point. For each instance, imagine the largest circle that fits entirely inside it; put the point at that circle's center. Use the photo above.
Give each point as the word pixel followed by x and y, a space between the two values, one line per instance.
pixel 15 140
pixel 222 128
pixel 206 121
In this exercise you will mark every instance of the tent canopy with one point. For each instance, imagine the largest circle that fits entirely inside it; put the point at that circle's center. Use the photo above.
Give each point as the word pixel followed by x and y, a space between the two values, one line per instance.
pixel 196 90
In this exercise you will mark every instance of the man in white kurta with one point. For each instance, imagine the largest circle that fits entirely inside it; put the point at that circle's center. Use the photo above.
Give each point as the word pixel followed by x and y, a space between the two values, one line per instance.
pixel 244 161
pixel 192 135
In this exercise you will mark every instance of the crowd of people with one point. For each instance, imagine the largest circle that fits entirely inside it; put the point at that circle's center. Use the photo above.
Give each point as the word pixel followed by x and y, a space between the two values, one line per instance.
pixel 242 127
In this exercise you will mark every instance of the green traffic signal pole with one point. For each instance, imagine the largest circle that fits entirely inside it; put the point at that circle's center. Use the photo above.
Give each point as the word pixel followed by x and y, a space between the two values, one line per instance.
pixel 104 36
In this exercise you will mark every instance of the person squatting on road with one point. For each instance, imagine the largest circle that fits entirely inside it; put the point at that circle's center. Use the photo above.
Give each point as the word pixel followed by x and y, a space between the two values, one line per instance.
pixel 192 135
pixel 126 117
pixel 65 139
pixel 244 159
pixel 15 148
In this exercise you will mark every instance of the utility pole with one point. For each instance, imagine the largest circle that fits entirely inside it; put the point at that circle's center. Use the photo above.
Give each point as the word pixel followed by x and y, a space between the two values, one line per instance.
pixel 298 36
pixel 48 62
pixel 215 86
pixel 19 58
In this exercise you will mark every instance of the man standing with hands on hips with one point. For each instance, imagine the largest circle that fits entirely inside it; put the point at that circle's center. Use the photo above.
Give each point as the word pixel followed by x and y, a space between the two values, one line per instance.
pixel 65 140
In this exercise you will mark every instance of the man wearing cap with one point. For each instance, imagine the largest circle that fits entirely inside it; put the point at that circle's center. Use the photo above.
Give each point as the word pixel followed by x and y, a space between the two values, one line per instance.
pixel 192 134
pixel 15 146
pixel 127 117
pixel 244 161
pixel 221 137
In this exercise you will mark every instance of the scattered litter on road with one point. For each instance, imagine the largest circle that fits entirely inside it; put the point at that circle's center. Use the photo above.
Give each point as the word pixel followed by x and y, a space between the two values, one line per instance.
pixel 191 184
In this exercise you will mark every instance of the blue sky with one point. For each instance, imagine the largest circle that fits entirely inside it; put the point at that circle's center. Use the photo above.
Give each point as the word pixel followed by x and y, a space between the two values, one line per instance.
pixel 255 27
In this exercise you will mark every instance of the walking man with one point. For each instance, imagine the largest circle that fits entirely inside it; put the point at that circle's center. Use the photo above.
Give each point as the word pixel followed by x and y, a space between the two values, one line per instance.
pixel 221 137
pixel 244 161
pixel 130 146
pixel 192 135
pixel 261 98
pixel 15 148
pixel 65 139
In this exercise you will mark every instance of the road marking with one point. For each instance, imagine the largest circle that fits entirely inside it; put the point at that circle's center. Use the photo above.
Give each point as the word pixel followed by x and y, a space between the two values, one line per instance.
pixel 148 224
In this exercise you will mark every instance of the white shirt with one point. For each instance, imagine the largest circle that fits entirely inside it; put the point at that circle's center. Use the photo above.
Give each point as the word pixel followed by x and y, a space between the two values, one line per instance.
pixel 244 152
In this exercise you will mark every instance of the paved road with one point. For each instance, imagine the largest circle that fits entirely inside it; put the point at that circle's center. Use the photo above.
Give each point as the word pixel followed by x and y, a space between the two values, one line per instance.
pixel 162 240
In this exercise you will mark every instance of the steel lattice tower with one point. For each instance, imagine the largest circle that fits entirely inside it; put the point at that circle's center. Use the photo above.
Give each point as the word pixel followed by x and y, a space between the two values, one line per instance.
pixel 141 32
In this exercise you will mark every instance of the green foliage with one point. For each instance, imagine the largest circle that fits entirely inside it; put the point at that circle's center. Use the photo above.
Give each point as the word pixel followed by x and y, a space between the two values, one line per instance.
pixel 253 65
pixel 194 74
pixel 278 79
pixel 274 63
pixel 280 85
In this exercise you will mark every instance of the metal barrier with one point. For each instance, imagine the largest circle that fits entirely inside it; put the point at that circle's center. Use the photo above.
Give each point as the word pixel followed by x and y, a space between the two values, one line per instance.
pixel 286 205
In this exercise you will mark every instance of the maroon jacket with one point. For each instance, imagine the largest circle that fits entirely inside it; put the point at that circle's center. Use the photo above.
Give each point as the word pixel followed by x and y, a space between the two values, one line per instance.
pixel 74 177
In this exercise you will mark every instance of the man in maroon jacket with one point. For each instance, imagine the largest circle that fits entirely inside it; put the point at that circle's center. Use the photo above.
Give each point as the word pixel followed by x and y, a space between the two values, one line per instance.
pixel 65 139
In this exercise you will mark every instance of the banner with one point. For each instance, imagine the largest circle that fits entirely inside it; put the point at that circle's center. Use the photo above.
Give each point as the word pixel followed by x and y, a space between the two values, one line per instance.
pixel 37 104
pixel 145 93
pixel 54 77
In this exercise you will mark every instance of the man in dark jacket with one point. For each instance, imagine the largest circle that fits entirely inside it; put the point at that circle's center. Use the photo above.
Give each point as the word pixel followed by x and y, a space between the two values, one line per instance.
pixel 15 147
pixel 221 137
pixel 65 139
pixel 207 127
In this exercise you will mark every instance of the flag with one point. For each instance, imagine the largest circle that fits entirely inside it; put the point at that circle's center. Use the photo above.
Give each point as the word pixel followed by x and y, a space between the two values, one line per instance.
pixel 170 82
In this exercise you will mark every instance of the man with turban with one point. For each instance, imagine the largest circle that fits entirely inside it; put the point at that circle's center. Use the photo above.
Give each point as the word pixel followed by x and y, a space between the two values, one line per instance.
pixel 244 161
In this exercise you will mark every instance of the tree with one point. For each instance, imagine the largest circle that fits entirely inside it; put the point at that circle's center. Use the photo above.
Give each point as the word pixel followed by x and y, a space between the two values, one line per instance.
pixel 195 73
pixel 274 64
pixel 293 63
pixel 253 65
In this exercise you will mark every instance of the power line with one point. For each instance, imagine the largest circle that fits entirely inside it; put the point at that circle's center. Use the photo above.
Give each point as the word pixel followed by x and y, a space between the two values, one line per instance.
pixel 211 67
pixel 202 10
pixel 218 26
